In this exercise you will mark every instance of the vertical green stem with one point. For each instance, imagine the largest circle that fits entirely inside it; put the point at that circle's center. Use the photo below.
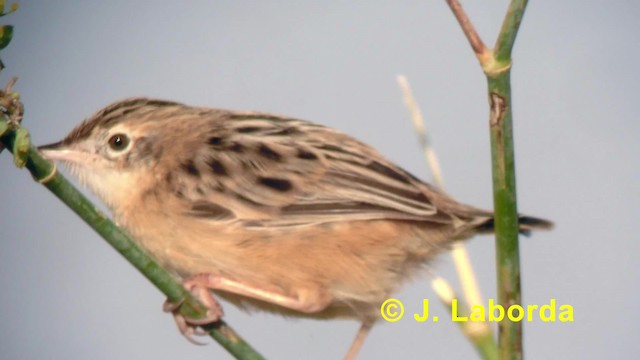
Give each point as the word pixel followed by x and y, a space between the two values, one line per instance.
pixel 496 65
pixel 506 213
pixel 504 180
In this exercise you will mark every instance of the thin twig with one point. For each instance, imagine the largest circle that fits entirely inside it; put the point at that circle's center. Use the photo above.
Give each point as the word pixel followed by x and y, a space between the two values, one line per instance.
pixel 418 123
pixel 509 31
pixel 460 255
pixel 469 30
pixel 466 275
pixel 461 259
pixel 478 333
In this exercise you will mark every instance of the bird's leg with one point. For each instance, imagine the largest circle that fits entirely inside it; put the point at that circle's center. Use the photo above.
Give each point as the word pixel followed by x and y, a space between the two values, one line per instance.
pixel 361 336
pixel 306 300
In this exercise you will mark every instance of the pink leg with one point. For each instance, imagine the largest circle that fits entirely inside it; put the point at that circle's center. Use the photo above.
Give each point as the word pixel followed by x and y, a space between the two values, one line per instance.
pixel 306 300
pixel 361 336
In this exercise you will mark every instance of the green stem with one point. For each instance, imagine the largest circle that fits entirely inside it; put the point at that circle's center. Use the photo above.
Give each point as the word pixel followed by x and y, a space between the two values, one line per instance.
pixel 486 346
pixel 504 180
pixel 42 171
pixel 509 30
pixel 496 65
pixel 506 214
pixel 478 334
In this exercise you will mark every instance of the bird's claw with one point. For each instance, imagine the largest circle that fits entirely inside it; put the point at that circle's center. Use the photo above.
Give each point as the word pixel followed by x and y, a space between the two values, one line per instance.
pixel 190 326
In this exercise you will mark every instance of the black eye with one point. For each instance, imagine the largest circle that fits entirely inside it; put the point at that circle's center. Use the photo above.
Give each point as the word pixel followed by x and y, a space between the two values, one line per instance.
pixel 118 142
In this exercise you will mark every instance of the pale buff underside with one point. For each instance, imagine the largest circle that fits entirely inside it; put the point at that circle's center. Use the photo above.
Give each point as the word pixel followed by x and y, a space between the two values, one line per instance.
pixel 309 262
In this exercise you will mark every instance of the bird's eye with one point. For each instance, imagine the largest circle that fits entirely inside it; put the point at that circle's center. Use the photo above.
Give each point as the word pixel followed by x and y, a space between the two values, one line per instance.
pixel 118 142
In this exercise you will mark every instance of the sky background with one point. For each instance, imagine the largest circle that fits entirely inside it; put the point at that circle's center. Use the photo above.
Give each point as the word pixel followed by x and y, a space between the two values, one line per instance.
pixel 67 295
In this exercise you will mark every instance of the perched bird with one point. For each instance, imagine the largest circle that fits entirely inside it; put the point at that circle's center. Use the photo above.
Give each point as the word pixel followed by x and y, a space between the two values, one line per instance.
pixel 269 212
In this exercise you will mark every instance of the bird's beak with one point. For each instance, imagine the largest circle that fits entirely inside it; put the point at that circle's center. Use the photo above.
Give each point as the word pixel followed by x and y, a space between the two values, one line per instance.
pixel 52 146
pixel 57 151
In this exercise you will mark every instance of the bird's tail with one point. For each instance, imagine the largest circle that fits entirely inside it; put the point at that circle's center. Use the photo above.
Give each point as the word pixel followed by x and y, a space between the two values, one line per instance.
pixel 527 225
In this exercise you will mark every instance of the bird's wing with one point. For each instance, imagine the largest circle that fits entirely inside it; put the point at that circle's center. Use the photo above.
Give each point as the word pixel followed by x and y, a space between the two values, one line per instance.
pixel 267 170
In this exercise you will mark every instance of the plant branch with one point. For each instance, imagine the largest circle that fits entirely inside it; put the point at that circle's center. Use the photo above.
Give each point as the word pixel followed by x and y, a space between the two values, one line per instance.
pixel 418 123
pixel 16 139
pixel 497 68
pixel 506 213
pixel 478 333
pixel 45 172
pixel 509 30
pixel 481 51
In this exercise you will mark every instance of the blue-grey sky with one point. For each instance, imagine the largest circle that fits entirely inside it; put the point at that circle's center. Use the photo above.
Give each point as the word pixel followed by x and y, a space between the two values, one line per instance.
pixel 67 295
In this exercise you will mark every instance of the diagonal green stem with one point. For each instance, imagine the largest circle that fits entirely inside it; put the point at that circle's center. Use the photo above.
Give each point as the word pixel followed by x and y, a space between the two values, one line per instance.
pixel 44 171
pixel 509 30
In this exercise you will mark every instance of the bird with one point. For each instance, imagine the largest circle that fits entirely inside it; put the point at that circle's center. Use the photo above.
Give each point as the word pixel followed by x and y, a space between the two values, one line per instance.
pixel 269 212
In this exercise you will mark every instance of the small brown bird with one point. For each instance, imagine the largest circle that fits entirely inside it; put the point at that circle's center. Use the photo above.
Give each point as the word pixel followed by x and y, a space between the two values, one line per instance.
pixel 269 212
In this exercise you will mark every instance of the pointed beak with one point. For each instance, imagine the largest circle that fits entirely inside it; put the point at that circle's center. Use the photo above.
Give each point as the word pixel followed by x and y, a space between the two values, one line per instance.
pixel 52 146
pixel 57 151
